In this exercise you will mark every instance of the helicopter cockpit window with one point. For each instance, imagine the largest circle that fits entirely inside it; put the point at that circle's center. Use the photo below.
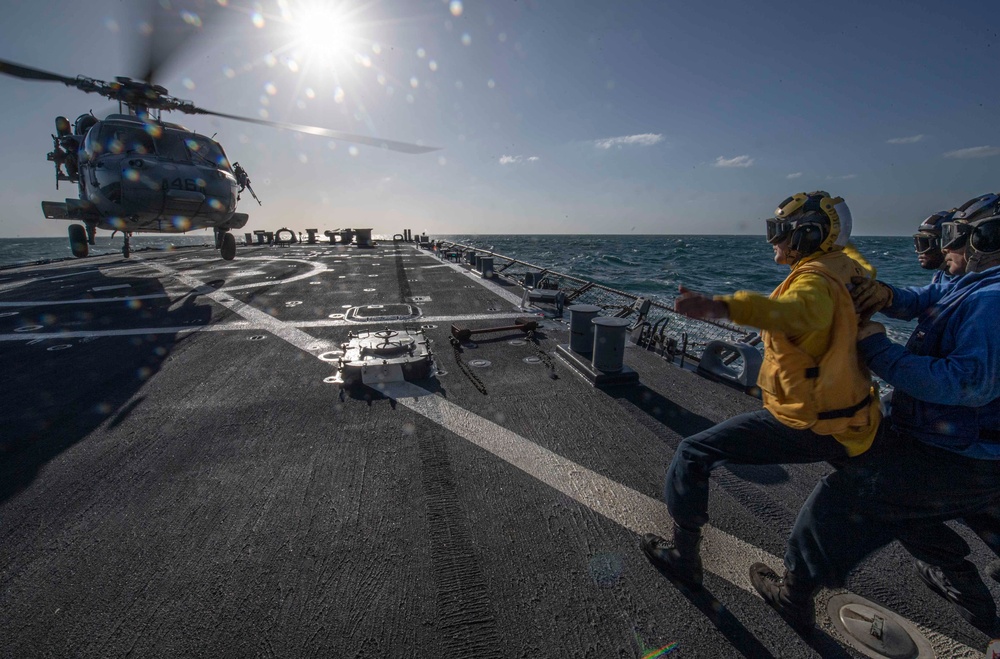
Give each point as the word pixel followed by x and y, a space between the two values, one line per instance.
pixel 124 139
pixel 203 148
pixel 92 143
pixel 192 148
pixel 170 145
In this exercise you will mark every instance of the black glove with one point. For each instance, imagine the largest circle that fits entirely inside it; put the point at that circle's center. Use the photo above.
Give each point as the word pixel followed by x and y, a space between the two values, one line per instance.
pixel 870 296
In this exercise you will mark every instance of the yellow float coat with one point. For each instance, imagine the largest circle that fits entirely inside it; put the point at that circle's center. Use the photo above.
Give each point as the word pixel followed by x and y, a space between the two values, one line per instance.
pixel 809 323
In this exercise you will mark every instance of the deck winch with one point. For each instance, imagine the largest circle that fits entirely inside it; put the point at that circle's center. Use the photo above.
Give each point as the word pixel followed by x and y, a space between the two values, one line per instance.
pixel 372 357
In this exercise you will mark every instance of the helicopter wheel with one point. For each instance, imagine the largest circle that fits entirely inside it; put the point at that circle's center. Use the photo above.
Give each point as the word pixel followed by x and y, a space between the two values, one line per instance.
pixel 78 241
pixel 228 246
pixel 126 248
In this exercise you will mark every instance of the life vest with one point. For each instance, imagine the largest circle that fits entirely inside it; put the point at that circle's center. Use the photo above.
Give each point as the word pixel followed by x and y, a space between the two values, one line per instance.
pixel 830 394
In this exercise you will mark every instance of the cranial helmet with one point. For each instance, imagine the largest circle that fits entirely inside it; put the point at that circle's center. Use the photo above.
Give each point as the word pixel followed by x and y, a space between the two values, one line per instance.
pixel 928 235
pixel 979 207
pixel 812 222
pixel 956 231
pixel 983 250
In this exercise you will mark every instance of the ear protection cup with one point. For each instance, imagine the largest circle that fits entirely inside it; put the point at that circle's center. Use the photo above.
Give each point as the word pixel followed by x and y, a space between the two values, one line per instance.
pixel 806 239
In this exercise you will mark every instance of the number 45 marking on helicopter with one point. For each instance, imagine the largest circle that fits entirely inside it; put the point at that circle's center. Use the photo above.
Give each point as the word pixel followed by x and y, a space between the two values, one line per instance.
pixel 136 172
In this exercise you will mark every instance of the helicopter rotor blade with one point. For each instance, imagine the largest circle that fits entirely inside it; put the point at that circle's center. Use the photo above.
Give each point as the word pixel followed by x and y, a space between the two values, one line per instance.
pixel 28 73
pixel 402 147
pixel 167 37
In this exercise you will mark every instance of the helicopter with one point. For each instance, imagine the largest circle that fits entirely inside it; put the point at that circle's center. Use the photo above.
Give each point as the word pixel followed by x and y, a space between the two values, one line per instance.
pixel 136 172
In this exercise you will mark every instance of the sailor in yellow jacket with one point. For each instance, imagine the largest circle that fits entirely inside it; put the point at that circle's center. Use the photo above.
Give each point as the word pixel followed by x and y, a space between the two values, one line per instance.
pixel 819 402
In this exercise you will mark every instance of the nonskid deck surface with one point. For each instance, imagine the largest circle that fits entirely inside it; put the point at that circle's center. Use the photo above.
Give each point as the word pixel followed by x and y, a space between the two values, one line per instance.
pixel 183 475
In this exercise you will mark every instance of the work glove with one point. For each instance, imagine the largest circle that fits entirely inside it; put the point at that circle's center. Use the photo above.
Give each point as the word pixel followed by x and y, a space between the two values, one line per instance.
pixel 696 305
pixel 870 296
pixel 869 328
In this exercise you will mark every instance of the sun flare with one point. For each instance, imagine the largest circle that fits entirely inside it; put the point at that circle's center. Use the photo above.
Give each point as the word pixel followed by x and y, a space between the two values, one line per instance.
pixel 325 33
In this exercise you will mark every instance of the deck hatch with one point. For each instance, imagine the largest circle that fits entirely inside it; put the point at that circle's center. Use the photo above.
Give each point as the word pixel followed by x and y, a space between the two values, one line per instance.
pixel 381 312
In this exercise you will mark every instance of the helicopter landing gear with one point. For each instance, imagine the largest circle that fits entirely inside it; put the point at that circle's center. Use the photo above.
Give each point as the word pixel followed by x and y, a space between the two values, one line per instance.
pixel 126 248
pixel 226 243
pixel 78 241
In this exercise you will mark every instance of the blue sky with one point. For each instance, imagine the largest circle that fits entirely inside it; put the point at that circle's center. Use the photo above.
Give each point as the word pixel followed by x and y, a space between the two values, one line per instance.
pixel 553 116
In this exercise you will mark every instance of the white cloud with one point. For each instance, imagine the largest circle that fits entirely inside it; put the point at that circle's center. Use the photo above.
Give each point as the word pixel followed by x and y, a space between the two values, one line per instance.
pixel 795 175
pixel 974 152
pixel 845 177
pixel 513 160
pixel 738 161
pixel 905 140
pixel 646 139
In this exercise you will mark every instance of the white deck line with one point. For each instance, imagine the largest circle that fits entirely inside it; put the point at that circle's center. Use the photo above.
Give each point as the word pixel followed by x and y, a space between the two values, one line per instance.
pixel 245 325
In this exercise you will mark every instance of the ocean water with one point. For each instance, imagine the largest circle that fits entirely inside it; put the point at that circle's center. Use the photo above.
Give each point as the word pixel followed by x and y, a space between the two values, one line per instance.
pixel 654 266
pixel 29 250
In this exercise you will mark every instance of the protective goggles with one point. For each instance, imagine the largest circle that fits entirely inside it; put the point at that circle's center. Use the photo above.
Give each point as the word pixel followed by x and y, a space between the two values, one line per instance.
pixel 985 234
pixel 926 242
pixel 954 234
pixel 778 229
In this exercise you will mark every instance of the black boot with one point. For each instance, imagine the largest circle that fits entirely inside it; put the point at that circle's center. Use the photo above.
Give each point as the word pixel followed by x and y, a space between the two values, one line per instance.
pixel 679 558
pixel 994 570
pixel 963 587
pixel 789 597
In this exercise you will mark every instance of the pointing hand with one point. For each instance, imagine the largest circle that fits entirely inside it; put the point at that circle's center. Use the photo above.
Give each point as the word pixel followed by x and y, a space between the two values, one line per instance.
pixel 696 305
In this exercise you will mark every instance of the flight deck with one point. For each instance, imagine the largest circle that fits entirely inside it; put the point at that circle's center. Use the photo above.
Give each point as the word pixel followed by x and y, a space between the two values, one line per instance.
pixel 196 460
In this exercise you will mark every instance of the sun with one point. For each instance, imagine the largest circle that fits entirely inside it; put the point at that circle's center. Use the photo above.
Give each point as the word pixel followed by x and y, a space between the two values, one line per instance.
pixel 325 32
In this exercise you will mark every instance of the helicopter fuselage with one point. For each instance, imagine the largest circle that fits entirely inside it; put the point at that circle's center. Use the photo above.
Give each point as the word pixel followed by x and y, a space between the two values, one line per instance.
pixel 139 175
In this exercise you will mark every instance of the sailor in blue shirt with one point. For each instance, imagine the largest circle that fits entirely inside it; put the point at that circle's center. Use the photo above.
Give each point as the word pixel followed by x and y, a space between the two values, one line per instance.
pixel 927 244
pixel 938 458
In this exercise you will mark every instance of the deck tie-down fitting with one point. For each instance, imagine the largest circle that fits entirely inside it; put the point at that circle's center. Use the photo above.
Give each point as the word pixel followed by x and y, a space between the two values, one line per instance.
pixel 521 324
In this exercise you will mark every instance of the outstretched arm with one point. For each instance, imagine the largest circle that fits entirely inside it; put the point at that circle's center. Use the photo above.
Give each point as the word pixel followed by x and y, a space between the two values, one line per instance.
pixel 806 306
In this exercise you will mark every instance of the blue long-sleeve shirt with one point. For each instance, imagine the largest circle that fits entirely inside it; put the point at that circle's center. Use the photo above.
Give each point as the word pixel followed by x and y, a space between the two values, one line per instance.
pixel 947 378
pixel 942 277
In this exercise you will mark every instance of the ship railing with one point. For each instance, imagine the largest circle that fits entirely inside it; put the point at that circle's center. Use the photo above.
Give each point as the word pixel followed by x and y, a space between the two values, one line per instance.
pixel 662 329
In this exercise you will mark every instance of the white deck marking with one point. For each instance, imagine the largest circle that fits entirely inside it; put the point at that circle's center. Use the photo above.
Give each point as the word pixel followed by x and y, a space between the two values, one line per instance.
pixel 723 554
pixel 264 321
pixel 23 282
pixel 243 325
pixel 623 505
pixel 92 300
pixel 316 269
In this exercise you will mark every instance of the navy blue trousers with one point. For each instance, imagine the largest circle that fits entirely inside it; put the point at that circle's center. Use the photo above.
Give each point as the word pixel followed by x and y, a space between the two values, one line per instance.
pixel 755 438
pixel 900 489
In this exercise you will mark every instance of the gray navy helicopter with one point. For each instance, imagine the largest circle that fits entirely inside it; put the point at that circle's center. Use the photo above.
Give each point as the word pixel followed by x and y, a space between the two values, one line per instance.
pixel 138 173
